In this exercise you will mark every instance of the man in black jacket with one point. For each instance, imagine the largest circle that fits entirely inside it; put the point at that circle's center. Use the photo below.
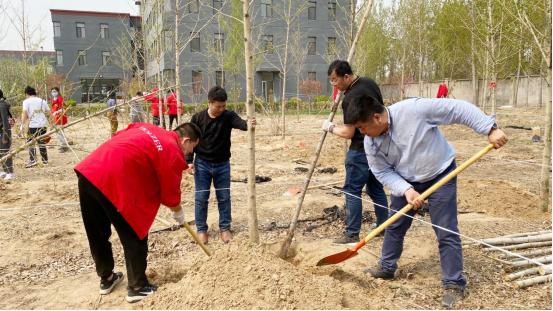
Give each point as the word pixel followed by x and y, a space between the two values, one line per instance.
pixel 212 160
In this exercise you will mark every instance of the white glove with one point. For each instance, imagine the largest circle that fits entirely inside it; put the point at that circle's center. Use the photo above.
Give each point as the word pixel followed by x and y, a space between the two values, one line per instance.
pixel 326 125
pixel 178 216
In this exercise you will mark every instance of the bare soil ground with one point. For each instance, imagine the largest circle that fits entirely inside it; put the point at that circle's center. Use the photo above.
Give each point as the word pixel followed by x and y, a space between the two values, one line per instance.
pixel 45 262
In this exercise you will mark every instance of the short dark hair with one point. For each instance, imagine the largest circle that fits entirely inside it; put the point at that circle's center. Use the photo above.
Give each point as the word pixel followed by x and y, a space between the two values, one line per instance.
pixel 138 93
pixel 341 67
pixel 190 130
pixel 217 94
pixel 362 108
pixel 112 94
pixel 55 88
pixel 30 91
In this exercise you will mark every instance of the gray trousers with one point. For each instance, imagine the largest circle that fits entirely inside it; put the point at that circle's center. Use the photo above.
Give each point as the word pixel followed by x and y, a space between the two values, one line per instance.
pixel 61 135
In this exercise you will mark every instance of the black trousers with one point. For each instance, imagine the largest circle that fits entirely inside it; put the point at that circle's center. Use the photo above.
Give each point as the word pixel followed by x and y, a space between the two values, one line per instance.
pixel 156 121
pixel 35 132
pixel 172 117
pixel 98 216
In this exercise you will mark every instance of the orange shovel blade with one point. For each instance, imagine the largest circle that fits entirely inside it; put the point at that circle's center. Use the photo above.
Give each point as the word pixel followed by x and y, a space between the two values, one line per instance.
pixel 337 258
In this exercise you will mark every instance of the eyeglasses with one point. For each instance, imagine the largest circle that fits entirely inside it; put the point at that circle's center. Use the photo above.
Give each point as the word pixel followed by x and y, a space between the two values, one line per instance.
pixel 335 82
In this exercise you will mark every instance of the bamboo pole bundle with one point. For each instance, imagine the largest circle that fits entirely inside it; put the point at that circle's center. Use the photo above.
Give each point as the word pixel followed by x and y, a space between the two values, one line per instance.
pixel 528 254
pixel 514 276
pixel 527 239
pixel 522 263
pixel 520 246
pixel 532 281
pixel 543 270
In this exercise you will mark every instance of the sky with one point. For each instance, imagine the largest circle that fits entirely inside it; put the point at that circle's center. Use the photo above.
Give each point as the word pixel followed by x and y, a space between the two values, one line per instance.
pixel 39 13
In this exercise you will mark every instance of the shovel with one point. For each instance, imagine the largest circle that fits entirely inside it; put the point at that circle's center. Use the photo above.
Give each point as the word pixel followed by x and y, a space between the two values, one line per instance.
pixel 192 233
pixel 352 252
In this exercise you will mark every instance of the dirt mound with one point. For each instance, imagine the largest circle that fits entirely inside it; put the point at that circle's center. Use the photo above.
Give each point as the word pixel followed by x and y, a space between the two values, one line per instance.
pixel 235 278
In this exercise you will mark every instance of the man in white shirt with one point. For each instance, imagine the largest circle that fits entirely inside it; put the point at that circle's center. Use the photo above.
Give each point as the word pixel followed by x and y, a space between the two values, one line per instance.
pixel 35 109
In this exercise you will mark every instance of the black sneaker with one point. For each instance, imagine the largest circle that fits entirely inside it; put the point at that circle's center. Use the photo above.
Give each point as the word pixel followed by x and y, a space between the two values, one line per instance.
pixel 137 295
pixel 63 149
pixel 107 286
pixel 453 293
pixel 378 273
pixel 346 240
pixel 31 164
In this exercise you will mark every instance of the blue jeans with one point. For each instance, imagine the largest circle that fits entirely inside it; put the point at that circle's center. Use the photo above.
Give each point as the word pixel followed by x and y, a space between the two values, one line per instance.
pixel 357 176
pixel 442 206
pixel 205 172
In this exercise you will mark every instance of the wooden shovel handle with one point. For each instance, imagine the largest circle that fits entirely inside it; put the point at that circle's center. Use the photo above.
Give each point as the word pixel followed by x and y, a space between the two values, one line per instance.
pixel 192 233
pixel 423 196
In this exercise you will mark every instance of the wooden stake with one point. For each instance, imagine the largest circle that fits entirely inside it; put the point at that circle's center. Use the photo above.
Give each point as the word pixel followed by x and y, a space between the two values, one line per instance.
pixel 250 108
pixel 514 276
pixel 543 270
pixel 533 281
pixel 520 246
pixel 288 241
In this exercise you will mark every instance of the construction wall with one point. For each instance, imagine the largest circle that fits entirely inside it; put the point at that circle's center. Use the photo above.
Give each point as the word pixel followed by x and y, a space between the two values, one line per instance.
pixel 528 91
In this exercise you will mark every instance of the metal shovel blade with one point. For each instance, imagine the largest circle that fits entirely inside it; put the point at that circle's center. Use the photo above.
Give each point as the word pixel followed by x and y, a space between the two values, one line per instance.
pixel 337 258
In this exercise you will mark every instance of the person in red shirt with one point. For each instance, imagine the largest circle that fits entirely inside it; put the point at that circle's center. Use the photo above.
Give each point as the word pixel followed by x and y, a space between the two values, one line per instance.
pixel 59 114
pixel 123 183
pixel 155 107
pixel 174 108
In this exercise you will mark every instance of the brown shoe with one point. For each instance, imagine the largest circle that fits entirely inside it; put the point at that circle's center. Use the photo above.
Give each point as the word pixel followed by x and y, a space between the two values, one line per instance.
pixel 203 237
pixel 226 236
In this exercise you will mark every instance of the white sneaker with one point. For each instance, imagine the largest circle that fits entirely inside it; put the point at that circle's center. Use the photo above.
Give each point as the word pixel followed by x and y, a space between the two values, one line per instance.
pixel 3 174
pixel 9 178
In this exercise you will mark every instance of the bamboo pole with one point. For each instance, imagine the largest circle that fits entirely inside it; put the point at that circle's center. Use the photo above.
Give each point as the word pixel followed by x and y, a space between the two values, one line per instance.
pixel 543 270
pixel 518 235
pixel 36 140
pixel 533 281
pixel 250 109
pixel 514 276
pixel 528 254
pixel 528 239
pixel 520 246
pixel 288 240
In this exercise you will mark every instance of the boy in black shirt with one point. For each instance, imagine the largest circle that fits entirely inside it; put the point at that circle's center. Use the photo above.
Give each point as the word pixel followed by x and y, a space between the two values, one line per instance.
pixel 212 160
pixel 358 173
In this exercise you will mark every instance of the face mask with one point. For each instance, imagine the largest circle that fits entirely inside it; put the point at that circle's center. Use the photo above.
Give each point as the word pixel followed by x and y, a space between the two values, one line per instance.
pixel 55 94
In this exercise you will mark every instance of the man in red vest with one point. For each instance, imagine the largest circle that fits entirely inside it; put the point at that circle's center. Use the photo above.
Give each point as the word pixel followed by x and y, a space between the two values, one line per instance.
pixel 174 108
pixel 123 183
pixel 155 107
pixel 59 113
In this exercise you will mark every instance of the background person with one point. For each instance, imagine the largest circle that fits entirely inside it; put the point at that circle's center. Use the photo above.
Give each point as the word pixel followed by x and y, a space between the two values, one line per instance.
pixel 123 183
pixel 155 108
pixel 408 153
pixel 5 139
pixel 112 114
pixel 173 108
pixel 137 112
pixel 212 161
pixel 358 173
pixel 35 110
pixel 59 114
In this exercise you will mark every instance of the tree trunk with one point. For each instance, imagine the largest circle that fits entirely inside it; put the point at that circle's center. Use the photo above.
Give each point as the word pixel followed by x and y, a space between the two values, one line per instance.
pixel 177 56
pixel 534 281
pixel 519 246
pixel 528 254
pixel 518 240
pixel 250 107
pixel 285 73
pixel 473 56
pixel 545 180
pixel 514 276
pixel 523 263
pixel 543 270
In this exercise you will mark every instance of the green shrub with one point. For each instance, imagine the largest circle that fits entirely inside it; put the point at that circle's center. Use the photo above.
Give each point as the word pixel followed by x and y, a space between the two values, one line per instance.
pixel 322 98
pixel 70 103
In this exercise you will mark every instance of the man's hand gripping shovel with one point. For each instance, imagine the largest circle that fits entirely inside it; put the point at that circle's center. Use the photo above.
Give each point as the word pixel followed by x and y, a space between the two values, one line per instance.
pixel 192 233
pixel 352 252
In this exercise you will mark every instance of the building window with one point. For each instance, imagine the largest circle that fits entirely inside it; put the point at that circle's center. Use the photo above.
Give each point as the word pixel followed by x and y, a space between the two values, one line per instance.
pixel 195 42
pixel 331 46
pixel 266 8
pixel 194 6
pixel 220 78
pixel 217 6
pixel 268 48
pixel 219 42
pixel 312 75
pixel 329 86
pixel 82 58
pixel 59 57
pixel 106 58
pixel 312 46
pixel 104 31
pixel 312 10
pixel 57 29
pixel 197 80
pixel 331 11
pixel 80 30
pixel 168 35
